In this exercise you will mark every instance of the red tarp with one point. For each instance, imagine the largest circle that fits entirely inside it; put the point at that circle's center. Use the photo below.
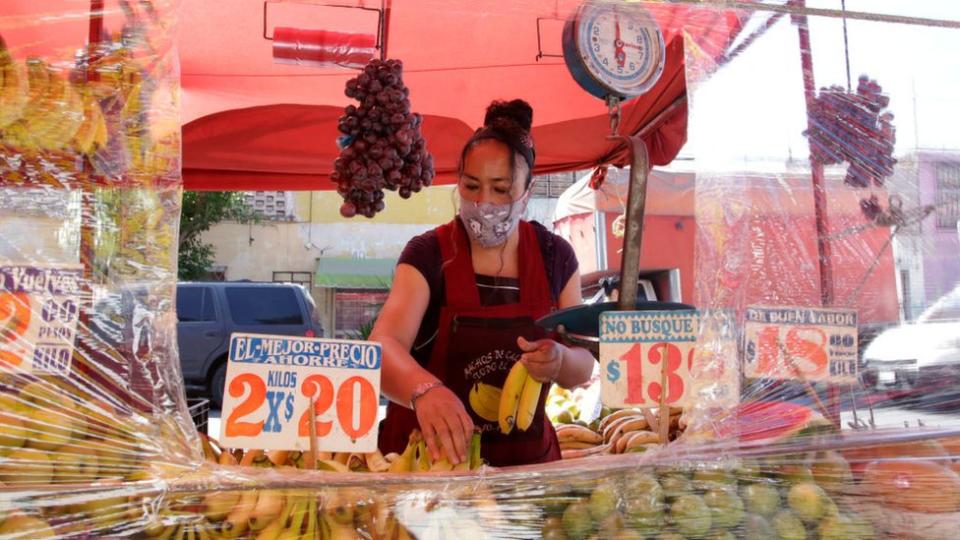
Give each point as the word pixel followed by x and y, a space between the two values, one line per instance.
pixel 252 124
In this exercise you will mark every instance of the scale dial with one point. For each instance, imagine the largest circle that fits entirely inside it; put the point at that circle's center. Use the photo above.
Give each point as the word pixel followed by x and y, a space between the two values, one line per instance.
pixel 613 49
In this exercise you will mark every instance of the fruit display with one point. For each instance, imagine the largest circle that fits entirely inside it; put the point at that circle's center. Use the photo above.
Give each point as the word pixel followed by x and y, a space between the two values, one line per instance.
pixel 414 458
pixel 616 431
pixel 802 492
pixel 109 112
pixel 381 146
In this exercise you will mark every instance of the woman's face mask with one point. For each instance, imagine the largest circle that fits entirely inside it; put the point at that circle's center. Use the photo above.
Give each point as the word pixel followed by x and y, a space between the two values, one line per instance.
pixel 490 224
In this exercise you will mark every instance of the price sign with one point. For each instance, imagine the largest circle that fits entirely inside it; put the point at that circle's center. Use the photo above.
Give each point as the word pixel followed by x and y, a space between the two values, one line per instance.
pixel 39 308
pixel 635 349
pixel 800 343
pixel 271 381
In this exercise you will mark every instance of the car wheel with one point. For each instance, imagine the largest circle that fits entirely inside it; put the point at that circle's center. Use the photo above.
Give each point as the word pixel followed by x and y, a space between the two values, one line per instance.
pixel 217 383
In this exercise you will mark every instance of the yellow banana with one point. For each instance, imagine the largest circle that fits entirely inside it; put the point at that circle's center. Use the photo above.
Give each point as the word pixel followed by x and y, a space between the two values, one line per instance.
pixel 576 432
pixel 485 401
pixel 331 465
pixel 404 463
pixel 271 531
pixel 238 520
pixel 376 462
pixel 422 463
pixel 270 504
pixel 14 94
pixel 529 399
pixel 510 397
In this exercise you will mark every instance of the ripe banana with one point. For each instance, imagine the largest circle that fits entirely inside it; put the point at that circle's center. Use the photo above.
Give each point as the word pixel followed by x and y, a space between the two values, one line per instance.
pixel 612 427
pixel 510 397
pixel 404 463
pixel 576 432
pixel 485 401
pixel 616 415
pixel 636 440
pixel 574 453
pixel 14 94
pixel 238 520
pixel 376 462
pixel 529 398
pixel 616 431
pixel 270 504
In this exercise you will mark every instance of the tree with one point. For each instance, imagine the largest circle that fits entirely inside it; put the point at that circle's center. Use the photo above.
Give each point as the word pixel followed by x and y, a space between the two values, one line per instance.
pixel 201 210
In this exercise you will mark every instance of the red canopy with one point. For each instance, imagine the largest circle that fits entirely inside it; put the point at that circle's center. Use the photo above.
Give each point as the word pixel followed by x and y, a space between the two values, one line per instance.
pixel 254 124
pixel 250 123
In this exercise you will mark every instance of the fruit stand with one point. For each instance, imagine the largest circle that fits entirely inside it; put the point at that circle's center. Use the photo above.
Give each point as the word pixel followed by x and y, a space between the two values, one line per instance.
pixel 96 439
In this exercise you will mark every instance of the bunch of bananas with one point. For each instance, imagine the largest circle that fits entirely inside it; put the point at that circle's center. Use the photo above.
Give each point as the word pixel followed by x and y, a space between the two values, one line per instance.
pixel 518 400
pixel 415 458
pixel 620 431
pixel 270 514
pixel 42 110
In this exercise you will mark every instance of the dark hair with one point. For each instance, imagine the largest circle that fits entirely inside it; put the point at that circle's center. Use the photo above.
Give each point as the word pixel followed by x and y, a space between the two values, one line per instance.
pixel 508 122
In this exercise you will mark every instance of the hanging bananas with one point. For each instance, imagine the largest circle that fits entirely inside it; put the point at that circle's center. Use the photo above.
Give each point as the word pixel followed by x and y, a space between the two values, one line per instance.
pixel 518 400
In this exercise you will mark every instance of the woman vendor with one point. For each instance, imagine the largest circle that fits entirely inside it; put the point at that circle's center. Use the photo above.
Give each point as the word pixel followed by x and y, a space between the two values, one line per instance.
pixel 464 300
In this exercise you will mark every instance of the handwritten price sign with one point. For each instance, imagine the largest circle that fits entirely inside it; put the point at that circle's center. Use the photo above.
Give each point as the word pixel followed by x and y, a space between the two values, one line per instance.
pixel 800 343
pixel 39 308
pixel 634 345
pixel 272 379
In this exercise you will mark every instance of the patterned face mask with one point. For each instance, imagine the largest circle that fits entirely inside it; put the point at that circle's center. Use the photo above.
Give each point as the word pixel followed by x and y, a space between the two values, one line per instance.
pixel 489 224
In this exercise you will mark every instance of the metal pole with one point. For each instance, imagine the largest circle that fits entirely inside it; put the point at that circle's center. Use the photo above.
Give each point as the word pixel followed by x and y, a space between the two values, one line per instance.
pixel 633 235
pixel 819 195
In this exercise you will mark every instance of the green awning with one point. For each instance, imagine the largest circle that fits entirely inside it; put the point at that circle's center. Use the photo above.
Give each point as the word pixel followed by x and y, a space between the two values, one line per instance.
pixel 351 273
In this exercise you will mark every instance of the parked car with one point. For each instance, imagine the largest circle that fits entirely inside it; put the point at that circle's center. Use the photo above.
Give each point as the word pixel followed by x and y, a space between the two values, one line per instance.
pixel 209 312
pixel 923 355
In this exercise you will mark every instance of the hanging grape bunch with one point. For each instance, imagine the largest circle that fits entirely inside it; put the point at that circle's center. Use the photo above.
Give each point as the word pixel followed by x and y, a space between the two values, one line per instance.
pixel 854 127
pixel 381 145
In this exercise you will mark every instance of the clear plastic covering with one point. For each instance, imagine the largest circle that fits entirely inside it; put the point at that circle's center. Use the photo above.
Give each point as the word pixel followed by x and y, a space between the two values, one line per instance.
pixel 89 214
pixel 827 357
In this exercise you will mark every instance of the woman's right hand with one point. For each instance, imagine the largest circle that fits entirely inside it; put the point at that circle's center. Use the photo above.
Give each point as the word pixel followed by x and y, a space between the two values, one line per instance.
pixel 444 420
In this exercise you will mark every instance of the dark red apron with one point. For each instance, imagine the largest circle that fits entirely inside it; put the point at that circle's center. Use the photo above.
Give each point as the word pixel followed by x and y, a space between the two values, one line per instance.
pixel 478 343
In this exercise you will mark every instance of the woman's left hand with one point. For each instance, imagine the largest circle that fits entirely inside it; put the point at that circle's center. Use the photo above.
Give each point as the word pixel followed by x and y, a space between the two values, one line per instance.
pixel 543 358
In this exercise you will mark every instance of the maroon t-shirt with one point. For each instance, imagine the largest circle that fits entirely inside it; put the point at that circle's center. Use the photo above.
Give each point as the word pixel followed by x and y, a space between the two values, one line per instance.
pixel 423 253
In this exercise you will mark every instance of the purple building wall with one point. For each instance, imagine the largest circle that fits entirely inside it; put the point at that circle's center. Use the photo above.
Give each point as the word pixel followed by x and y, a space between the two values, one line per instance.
pixel 941 247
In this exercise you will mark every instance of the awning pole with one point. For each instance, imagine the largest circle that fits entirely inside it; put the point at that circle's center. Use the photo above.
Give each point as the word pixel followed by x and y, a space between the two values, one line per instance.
pixel 819 196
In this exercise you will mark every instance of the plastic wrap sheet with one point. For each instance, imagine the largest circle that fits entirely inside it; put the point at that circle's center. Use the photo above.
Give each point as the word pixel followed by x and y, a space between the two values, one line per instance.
pixel 90 382
pixel 98 443
pixel 817 188
pixel 889 484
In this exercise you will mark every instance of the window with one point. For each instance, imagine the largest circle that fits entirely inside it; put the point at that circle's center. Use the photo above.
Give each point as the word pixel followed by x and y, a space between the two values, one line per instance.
pixel 550 186
pixel 195 304
pixel 948 195
pixel 356 310
pixel 300 278
pixel 264 305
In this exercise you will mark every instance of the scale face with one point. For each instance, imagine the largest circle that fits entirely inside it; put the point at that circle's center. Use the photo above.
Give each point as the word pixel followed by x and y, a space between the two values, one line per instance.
pixel 613 49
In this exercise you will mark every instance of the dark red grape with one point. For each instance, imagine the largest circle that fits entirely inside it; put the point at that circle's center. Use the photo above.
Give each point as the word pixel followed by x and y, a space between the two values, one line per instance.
pixel 348 210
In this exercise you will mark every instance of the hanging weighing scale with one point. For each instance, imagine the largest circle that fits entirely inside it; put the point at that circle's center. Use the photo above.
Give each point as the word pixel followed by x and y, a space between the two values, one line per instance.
pixel 615 52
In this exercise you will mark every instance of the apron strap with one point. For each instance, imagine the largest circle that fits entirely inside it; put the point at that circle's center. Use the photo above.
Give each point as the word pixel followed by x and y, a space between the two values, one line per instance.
pixel 460 282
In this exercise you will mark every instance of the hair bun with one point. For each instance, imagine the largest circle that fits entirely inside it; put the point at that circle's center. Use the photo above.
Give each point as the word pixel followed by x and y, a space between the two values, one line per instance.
pixel 517 111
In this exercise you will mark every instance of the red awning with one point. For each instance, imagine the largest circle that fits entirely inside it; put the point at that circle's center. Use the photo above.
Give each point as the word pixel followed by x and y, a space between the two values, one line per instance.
pixel 252 124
